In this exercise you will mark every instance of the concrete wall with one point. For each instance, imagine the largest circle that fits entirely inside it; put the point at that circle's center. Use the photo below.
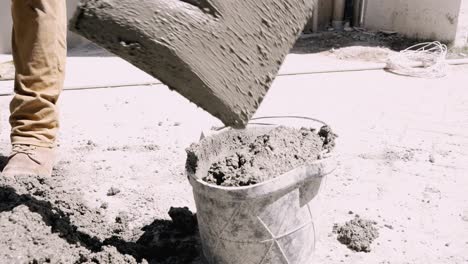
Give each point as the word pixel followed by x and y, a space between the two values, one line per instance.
pixel 5 26
pixel 462 31
pixel 325 14
pixel 325 9
pixel 426 19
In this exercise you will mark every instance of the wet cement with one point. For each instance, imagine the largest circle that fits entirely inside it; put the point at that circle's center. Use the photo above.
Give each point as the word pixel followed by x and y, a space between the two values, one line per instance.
pixel 358 234
pixel 221 55
pixel 53 225
pixel 247 160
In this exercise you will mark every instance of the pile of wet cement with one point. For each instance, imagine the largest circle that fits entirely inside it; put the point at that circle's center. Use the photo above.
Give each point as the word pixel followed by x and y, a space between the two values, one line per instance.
pixel 41 222
pixel 250 160
pixel 358 234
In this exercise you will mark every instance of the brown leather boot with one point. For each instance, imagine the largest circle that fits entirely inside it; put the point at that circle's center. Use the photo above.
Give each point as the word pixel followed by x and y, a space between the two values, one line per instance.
pixel 30 160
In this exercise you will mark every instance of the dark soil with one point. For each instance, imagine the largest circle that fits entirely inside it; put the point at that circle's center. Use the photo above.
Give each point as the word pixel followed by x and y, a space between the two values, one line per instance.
pixel 52 225
pixel 251 160
pixel 325 41
pixel 330 40
pixel 358 234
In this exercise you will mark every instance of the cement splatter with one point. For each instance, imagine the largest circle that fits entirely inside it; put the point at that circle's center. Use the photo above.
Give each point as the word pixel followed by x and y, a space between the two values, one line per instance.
pixel 113 191
pixel 358 234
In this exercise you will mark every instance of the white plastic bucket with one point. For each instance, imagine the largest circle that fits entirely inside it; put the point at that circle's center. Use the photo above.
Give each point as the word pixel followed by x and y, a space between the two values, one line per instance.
pixel 270 222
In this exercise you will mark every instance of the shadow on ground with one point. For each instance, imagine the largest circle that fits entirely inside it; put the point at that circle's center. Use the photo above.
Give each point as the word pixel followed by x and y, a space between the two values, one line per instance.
pixel 89 50
pixel 3 162
pixel 163 241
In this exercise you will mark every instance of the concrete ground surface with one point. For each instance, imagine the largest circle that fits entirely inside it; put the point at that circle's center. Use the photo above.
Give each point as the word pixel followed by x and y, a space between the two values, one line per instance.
pixel 403 152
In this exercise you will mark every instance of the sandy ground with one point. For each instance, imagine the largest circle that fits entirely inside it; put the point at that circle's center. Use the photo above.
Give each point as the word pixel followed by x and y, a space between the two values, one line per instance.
pixel 403 158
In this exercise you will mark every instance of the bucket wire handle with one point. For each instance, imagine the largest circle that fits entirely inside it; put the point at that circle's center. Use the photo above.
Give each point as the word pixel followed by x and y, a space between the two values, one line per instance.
pixel 275 117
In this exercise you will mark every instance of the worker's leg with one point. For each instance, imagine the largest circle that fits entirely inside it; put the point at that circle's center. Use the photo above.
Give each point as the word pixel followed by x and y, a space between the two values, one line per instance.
pixel 39 53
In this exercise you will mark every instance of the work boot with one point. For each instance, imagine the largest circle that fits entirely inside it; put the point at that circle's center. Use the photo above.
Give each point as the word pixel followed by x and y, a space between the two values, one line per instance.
pixel 30 160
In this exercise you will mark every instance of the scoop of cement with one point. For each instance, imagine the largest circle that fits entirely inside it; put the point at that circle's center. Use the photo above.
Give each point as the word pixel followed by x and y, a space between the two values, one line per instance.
pixel 358 234
pixel 221 55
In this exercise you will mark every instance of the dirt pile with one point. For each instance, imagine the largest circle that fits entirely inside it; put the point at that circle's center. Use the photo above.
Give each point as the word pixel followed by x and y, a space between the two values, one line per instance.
pixel 52 225
pixel 251 160
pixel 358 234
pixel 328 41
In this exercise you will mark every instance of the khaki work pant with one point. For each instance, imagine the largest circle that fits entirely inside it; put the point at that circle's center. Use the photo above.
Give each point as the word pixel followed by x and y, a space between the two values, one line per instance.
pixel 39 53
